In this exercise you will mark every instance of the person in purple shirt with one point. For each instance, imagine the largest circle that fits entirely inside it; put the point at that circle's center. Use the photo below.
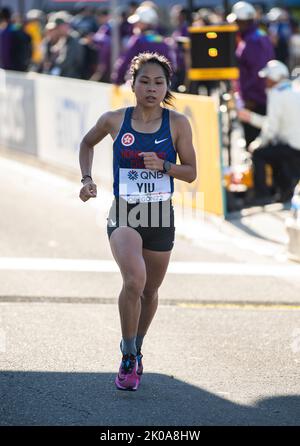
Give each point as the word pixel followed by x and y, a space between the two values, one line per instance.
pixel 253 52
pixel 104 22
pixel 102 42
pixel 145 39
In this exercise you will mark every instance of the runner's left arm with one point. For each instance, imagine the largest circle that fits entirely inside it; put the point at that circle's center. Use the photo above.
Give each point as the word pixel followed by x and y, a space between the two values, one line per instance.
pixel 186 170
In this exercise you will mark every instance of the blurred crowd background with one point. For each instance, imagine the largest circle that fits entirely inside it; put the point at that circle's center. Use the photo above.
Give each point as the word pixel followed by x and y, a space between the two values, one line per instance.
pixel 97 41
pixel 97 44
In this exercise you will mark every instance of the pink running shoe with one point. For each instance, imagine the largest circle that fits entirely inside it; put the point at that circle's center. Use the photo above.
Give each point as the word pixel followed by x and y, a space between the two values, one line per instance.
pixel 140 367
pixel 127 378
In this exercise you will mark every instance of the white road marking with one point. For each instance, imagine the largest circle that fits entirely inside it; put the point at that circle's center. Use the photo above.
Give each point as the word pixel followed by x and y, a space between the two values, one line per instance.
pixel 109 266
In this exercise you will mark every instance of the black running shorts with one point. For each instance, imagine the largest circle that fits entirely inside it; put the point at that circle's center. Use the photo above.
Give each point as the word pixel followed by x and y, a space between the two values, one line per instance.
pixel 153 221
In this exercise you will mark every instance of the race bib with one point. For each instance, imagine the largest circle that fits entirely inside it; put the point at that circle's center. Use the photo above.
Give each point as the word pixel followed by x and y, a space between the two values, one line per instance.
pixel 144 185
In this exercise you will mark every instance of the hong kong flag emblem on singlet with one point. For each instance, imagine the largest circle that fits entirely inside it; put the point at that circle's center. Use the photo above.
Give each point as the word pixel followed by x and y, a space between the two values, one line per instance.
pixel 127 139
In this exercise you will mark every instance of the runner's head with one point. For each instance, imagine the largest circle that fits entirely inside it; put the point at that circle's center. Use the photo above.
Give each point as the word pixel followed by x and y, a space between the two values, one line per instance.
pixel 151 78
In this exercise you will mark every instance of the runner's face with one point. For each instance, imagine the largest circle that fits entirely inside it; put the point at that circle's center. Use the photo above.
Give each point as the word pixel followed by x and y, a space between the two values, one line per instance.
pixel 150 86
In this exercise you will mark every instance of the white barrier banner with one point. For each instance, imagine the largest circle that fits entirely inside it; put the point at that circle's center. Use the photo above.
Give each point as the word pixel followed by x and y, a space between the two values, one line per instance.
pixel 17 112
pixel 66 110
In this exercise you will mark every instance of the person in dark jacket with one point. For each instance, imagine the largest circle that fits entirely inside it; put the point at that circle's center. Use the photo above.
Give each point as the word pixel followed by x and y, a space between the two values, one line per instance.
pixel 67 52
pixel 102 43
pixel 15 44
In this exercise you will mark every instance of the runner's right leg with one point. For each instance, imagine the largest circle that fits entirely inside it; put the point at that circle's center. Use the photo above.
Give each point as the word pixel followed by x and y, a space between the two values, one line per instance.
pixel 127 249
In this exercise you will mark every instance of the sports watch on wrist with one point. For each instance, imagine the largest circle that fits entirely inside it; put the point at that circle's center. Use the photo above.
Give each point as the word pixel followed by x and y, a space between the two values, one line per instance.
pixel 84 178
pixel 166 166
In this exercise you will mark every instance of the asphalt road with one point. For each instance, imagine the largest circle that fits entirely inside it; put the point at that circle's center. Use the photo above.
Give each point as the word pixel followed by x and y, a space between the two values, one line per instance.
pixel 202 367
pixel 224 348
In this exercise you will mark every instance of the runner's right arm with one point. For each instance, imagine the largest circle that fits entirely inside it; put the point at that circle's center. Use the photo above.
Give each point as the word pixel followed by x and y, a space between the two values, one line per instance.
pixel 93 137
pixel 86 154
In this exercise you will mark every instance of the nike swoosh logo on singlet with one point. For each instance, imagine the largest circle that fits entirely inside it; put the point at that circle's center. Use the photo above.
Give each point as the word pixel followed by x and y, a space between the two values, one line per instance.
pixel 161 140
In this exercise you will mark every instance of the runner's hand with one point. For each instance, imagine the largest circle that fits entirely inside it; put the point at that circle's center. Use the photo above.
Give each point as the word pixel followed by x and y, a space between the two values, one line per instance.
pixel 89 190
pixel 152 161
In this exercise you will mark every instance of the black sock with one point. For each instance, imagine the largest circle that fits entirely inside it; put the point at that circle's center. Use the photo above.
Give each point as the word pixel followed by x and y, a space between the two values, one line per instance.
pixel 128 346
pixel 139 342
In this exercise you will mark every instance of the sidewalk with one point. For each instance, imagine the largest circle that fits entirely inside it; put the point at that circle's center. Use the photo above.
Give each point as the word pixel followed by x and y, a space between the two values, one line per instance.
pixel 274 225
pixel 247 235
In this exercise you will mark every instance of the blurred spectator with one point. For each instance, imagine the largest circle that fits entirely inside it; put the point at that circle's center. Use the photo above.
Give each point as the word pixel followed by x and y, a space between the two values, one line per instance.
pixel 145 38
pixel 179 20
pixel 294 49
pixel 160 27
pixel 84 22
pixel 278 143
pixel 33 27
pixel 180 35
pixel 65 54
pixel 126 30
pixel 204 17
pixel 102 40
pixel 6 30
pixel 90 56
pixel 201 17
pixel 279 30
pixel 103 22
pixel 15 43
pixel 50 39
pixel 132 7
pixel 253 52
pixel 102 43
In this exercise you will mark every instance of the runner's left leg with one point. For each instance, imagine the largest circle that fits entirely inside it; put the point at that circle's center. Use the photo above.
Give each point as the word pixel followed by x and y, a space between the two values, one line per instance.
pixel 156 263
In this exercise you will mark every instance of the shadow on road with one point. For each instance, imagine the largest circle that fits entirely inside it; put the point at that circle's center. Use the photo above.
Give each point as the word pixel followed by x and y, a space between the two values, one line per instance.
pixel 46 398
